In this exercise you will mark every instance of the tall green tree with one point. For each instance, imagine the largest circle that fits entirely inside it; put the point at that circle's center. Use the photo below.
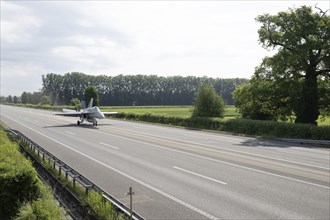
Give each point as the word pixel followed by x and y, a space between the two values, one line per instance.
pixel 91 92
pixel 302 40
pixel 24 98
pixel 208 103
pixel 264 99
pixel 9 99
pixel 15 99
pixel 137 89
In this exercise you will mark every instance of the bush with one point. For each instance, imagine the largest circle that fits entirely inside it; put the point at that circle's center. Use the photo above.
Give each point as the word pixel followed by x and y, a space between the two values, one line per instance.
pixel 45 100
pixel 18 180
pixel 76 103
pixel 21 192
pixel 104 210
pixel 208 103
pixel 41 208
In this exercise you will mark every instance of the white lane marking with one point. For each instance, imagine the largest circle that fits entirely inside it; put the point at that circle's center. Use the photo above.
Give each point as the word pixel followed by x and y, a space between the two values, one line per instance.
pixel 109 145
pixel 188 143
pixel 196 174
pixel 219 161
pixel 126 175
pixel 70 133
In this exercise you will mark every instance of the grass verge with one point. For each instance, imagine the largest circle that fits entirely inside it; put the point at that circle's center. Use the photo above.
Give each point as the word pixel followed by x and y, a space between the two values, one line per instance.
pixel 22 194
pixel 101 208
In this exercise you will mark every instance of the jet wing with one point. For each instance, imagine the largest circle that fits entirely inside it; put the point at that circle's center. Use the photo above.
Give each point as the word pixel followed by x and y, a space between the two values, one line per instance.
pixel 110 113
pixel 68 112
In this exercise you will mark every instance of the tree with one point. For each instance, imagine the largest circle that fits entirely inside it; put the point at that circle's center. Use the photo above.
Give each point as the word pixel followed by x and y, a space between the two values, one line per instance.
pixel 76 103
pixel 91 92
pixel 249 105
pixel 24 98
pixel 9 99
pixel 138 89
pixel 301 38
pixel 263 99
pixel 15 99
pixel 34 98
pixel 45 100
pixel 208 103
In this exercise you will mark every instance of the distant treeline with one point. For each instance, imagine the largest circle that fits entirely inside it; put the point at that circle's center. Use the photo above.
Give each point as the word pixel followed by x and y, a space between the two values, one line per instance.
pixel 123 90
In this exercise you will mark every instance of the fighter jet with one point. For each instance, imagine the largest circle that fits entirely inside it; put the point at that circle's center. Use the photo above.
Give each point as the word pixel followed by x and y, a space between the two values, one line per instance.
pixel 90 114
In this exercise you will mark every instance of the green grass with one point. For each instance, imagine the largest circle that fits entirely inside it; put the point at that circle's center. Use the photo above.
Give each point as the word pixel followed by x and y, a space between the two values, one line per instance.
pixel 23 195
pixel 170 111
pixel 104 210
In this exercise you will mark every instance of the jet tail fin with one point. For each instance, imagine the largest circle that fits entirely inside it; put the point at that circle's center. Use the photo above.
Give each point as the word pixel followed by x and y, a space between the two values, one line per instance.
pixel 83 104
pixel 90 104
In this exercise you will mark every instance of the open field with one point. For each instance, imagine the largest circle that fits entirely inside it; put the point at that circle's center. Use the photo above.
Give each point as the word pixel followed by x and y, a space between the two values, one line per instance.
pixel 171 111
pixel 181 111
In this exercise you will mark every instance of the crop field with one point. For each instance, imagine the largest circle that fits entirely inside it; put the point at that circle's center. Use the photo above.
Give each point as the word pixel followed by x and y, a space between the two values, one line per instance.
pixel 178 111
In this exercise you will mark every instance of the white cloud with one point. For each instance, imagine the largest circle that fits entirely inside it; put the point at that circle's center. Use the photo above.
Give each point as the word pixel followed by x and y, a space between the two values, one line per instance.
pixel 212 38
pixel 18 23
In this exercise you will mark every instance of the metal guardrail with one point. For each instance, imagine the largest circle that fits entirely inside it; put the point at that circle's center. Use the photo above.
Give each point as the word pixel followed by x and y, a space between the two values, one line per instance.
pixel 74 175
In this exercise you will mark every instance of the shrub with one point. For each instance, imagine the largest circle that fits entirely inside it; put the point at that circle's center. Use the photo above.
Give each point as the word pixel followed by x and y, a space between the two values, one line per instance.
pixel 104 210
pixel 45 100
pixel 208 103
pixel 18 180
pixel 76 103
pixel 41 208
pixel 21 192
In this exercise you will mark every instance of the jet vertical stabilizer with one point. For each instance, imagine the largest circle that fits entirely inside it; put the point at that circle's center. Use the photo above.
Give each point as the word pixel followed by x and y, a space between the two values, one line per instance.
pixel 90 104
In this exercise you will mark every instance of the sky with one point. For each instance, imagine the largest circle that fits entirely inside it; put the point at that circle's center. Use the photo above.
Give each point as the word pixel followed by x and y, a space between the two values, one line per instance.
pixel 216 39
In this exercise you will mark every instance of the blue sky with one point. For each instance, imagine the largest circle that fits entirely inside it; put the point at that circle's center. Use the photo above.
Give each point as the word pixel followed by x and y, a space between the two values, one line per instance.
pixel 200 38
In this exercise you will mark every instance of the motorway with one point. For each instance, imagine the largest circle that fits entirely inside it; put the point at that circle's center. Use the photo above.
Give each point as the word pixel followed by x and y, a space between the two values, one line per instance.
pixel 186 174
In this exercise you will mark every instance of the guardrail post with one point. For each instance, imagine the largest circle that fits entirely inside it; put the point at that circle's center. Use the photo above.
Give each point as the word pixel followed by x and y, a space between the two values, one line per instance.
pixel 130 193
pixel 104 198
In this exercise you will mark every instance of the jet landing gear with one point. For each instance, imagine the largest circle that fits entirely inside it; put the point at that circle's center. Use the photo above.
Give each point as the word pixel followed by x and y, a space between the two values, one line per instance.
pixel 80 121
pixel 95 123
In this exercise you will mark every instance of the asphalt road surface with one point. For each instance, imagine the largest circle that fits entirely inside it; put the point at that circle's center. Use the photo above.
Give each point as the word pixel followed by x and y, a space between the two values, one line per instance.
pixel 186 174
